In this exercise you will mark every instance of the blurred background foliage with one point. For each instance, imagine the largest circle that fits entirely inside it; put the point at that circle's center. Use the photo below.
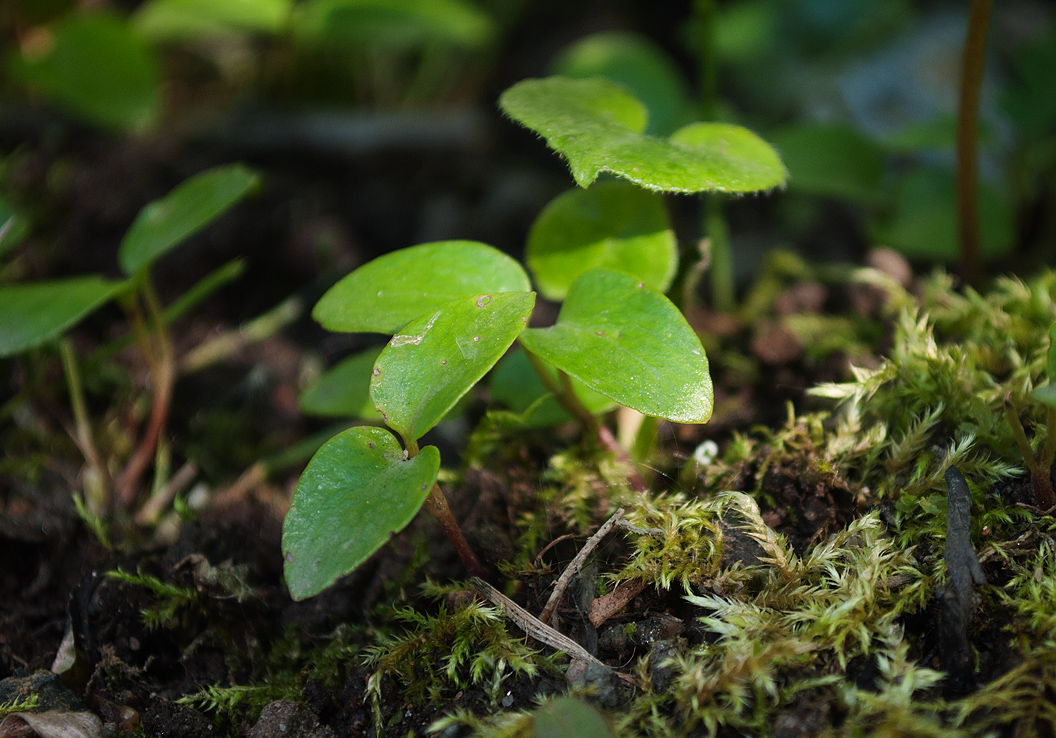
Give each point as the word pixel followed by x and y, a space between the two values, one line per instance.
pixel 859 96
pixel 374 125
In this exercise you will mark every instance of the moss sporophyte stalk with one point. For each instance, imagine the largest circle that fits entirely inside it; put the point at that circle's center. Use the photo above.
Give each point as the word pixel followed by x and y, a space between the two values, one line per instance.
pixel 454 308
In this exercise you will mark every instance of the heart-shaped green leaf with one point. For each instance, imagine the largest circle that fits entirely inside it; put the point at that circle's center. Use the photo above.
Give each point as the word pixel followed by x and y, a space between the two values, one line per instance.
pixel 436 359
pixel 357 491
pixel 96 67
pixel 639 64
pixel 344 389
pixel 386 294
pixel 31 314
pixel 164 223
pixel 515 384
pixel 598 126
pixel 613 225
pixel 627 341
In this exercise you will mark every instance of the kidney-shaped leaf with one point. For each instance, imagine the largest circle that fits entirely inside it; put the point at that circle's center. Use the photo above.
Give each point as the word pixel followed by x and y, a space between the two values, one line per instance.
pixel 356 492
pixel 614 225
pixel 598 126
pixel 195 203
pixel 387 293
pixel 96 67
pixel 731 158
pixel 344 389
pixel 627 341
pixel 639 64
pixel 436 359
pixel 31 314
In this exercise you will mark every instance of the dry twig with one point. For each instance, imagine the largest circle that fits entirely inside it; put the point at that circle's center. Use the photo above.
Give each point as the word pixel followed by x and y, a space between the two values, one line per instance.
pixel 577 563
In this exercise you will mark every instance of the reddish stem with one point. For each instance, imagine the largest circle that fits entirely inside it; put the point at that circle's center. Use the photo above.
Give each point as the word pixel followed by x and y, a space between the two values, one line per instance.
pixel 436 504
pixel 163 378
pixel 1039 464
pixel 128 482
pixel 968 138
pixel 610 444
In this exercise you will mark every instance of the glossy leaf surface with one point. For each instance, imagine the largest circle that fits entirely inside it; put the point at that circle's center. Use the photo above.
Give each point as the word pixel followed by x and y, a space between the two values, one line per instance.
pixel 31 314
pixel 436 359
pixel 598 126
pixel 344 389
pixel 613 225
pixel 387 293
pixel 163 224
pixel 193 19
pixel 97 68
pixel 640 65
pixel 627 341
pixel 355 493
pixel 515 384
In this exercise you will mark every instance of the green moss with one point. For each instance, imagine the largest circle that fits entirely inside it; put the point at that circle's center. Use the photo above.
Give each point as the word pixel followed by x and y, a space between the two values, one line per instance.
pixel 19 704
pixel 686 546
pixel 827 640
pixel 937 400
pixel 440 653
pixel 1017 703
pixel 171 598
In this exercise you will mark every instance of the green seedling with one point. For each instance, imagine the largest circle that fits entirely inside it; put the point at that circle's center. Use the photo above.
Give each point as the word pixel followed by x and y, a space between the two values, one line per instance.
pixel 38 313
pixel 615 335
pixel 454 308
pixel 1039 461
pixel 598 125
pixel 613 225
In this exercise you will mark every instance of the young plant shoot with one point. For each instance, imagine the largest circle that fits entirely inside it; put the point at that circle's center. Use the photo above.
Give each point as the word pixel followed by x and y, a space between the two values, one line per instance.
pixel 454 308
pixel 36 313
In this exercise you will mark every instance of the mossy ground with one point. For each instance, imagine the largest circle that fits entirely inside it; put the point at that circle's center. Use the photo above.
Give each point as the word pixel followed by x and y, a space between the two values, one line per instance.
pixel 790 585
pixel 799 571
